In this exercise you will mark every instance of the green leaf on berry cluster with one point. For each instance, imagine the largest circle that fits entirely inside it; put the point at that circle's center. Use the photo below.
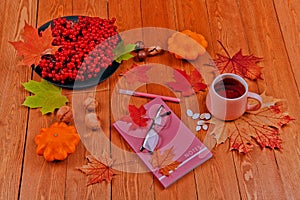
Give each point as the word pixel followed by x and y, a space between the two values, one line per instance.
pixel 123 52
pixel 46 96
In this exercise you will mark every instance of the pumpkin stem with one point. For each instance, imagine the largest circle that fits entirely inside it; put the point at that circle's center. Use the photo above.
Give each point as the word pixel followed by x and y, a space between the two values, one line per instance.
pixel 55 134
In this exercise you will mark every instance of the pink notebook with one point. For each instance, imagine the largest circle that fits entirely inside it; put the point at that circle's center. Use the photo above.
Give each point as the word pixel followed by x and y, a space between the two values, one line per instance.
pixel 167 147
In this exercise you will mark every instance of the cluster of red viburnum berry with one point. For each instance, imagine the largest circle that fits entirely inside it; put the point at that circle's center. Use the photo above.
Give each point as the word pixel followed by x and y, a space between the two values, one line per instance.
pixel 86 49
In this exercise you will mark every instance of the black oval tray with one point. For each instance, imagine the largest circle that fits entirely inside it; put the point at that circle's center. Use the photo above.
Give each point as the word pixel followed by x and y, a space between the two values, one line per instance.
pixel 102 75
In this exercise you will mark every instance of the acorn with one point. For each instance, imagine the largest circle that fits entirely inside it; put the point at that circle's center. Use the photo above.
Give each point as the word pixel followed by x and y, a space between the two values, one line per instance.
pixel 139 45
pixel 141 55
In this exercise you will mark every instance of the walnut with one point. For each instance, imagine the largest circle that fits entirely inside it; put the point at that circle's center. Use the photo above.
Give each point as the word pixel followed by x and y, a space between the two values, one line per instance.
pixel 92 121
pixel 90 104
pixel 65 114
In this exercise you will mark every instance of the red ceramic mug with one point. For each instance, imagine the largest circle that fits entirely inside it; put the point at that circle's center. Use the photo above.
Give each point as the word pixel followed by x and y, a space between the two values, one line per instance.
pixel 228 96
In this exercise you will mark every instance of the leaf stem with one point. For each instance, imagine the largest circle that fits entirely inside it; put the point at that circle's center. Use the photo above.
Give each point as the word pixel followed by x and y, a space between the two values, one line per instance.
pixel 224 48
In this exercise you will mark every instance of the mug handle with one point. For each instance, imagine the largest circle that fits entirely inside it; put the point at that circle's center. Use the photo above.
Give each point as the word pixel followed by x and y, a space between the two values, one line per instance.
pixel 256 97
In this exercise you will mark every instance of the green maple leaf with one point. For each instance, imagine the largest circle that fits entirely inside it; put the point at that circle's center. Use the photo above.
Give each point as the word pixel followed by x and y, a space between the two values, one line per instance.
pixel 123 52
pixel 47 96
pixel 126 56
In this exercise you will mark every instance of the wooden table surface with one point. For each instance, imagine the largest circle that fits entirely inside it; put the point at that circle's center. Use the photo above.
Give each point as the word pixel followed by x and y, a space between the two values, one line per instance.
pixel 265 28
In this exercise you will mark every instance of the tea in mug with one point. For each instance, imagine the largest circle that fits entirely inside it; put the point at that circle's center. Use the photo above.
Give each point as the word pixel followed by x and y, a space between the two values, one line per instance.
pixel 230 88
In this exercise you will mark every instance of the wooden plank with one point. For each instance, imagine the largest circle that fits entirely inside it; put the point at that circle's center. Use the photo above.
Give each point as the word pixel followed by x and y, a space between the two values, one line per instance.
pixel 279 77
pixel 53 9
pixel 199 20
pixel 192 15
pixel 123 12
pixel 129 183
pixel 13 115
pixel 162 14
pixel 47 177
pixel 90 8
pixel 76 184
pixel 92 143
pixel 129 166
pixel 228 27
pixel 138 185
pixel 289 21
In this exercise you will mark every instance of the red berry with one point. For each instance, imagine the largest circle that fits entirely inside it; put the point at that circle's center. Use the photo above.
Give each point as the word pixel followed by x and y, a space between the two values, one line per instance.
pixel 84 49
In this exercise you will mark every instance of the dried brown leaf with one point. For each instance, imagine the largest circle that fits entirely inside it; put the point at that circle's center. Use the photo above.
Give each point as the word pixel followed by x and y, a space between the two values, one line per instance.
pixel 98 171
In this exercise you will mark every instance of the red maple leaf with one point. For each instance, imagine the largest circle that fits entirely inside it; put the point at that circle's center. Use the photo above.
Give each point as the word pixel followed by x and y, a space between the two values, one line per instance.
pixel 137 117
pixel 242 65
pixel 137 73
pixel 187 84
pixel 98 171
pixel 34 46
pixel 261 126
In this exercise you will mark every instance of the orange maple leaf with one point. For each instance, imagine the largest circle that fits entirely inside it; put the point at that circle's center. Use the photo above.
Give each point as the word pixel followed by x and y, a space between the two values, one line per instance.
pixel 98 171
pixel 242 65
pixel 34 46
pixel 164 161
pixel 170 167
pixel 262 126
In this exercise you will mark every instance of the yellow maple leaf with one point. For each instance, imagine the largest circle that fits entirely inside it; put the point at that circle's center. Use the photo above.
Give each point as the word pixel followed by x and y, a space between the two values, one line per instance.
pixel 260 126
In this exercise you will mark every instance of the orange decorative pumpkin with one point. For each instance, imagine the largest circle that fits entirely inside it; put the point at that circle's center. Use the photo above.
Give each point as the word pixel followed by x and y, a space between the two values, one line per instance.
pixel 187 45
pixel 197 36
pixel 57 141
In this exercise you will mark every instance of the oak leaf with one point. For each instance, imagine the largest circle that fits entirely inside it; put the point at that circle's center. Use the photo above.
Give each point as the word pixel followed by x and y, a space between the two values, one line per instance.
pixel 187 84
pixel 137 74
pixel 98 171
pixel 164 161
pixel 242 65
pixel 262 126
pixel 34 46
pixel 46 96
